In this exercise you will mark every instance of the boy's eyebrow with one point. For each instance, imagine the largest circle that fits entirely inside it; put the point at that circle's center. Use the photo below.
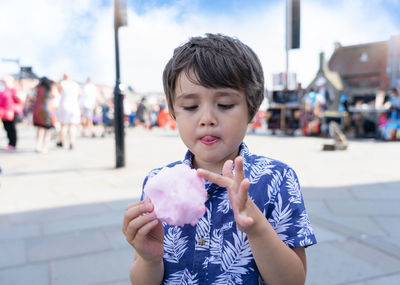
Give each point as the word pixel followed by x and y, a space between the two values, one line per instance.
pixel 228 93
pixel 186 96
pixel 219 93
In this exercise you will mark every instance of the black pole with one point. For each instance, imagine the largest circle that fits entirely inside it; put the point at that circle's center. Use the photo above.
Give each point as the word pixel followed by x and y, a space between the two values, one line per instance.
pixel 118 110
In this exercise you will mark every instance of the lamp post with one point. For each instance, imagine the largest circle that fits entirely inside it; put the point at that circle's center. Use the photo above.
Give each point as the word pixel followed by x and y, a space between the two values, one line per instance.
pixel 120 19
pixel 292 31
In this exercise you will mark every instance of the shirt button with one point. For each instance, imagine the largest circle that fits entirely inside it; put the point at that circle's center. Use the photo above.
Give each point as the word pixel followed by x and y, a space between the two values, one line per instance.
pixel 201 241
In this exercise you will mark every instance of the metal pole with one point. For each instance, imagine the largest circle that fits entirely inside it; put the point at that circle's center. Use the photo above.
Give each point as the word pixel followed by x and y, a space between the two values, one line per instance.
pixel 288 40
pixel 287 69
pixel 118 110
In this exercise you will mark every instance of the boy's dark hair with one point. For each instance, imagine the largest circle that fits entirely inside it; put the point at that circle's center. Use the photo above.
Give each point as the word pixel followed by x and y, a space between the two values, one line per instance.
pixel 217 61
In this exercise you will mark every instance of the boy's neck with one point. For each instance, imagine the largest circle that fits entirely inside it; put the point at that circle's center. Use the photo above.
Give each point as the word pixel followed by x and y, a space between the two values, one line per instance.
pixel 213 167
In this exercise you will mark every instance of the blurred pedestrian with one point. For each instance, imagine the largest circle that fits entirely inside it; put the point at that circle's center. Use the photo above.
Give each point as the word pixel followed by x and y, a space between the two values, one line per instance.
pixel 68 112
pixel 44 117
pixel 88 101
pixel 10 107
pixel 142 116
pixel 395 103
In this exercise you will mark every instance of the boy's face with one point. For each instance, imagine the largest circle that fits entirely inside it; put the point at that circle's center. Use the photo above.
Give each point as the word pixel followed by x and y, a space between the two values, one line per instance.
pixel 212 122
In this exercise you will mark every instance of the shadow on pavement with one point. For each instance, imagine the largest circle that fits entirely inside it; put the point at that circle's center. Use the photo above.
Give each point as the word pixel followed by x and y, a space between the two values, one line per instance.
pixel 357 228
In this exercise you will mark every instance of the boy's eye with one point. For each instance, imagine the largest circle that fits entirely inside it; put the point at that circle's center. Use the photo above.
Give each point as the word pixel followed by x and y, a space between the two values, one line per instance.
pixel 190 108
pixel 226 106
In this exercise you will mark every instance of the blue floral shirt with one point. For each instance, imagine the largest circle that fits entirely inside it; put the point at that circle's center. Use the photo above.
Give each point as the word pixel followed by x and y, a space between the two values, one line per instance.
pixel 214 251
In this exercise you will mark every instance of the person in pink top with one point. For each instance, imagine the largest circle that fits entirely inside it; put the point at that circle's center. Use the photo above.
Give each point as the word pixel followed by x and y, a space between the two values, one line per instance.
pixel 9 106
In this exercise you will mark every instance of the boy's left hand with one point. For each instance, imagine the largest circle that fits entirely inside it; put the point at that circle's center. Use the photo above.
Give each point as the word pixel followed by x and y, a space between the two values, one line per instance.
pixel 238 191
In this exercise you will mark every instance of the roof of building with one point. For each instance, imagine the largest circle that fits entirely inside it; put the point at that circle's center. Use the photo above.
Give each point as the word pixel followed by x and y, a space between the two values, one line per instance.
pixel 360 59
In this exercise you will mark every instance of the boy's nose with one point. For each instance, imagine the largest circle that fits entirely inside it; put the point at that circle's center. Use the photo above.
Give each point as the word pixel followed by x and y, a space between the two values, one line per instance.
pixel 208 117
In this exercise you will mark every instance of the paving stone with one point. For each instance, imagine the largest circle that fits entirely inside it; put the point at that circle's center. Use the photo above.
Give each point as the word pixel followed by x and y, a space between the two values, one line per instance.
pixel 394 240
pixel 125 281
pixel 91 221
pixel 12 252
pixel 19 231
pixel 380 280
pixel 385 280
pixel 119 205
pixel 345 262
pixel 317 208
pixel 383 262
pixel 393 185
pixel 56 214
pixel 390 245
pixel 92 269
pixel 390 224
pixel 358 225
pixel 116 237
pixel 65 245
pixel 23 275
pixel 384 191
pixel 325 235
pixel 364 207
pixel 311 193
pixel 3 221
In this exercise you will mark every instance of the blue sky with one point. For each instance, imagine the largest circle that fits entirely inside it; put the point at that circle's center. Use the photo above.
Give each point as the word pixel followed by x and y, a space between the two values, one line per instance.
pixel 76 36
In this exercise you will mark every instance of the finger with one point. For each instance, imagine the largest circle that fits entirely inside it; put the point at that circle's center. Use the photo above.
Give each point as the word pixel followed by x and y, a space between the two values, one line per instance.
pixel 145 229
pixel 244 221
pixel 239 173
pixel 131 205
pixel 243 193
pixel 220 180
pixel 227 169
pixel 136 224
pixel 135 211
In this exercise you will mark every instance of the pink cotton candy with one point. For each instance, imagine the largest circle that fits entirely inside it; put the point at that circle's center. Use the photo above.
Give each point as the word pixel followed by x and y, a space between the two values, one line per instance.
pixel 178 195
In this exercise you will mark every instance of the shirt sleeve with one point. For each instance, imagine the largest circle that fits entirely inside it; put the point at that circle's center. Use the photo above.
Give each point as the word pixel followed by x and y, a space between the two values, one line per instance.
pixel 289 217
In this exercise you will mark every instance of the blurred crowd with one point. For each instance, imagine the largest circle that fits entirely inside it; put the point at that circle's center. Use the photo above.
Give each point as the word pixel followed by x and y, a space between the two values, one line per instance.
pixel 379 118
pixel 62 110
pixel 311 111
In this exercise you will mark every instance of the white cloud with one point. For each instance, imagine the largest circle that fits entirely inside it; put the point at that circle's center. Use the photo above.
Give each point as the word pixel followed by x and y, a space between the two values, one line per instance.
pixel 77 36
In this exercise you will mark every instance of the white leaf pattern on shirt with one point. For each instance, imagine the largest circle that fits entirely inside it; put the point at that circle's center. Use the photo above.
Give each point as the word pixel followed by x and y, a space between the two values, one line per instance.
pixel 203 230
pixel 217 241
pixel 224 206
pixel 293 187
pixel 304 225
pixel 280 219
pixel 182 277
pixel 174 245
pixel 274 186
pixel 261 166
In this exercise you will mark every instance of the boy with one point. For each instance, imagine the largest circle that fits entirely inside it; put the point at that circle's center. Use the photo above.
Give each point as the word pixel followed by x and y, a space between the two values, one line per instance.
pixel 255 227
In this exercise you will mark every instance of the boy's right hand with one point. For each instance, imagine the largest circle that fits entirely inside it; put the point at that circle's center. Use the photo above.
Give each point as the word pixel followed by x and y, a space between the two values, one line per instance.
pixel 144 231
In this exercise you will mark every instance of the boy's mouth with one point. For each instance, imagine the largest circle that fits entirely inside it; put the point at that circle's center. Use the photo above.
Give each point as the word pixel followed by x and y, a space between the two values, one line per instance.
pixel 209 140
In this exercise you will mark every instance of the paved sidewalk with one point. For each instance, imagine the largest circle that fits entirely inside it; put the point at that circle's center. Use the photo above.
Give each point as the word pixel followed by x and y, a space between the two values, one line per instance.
pixel 61 212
